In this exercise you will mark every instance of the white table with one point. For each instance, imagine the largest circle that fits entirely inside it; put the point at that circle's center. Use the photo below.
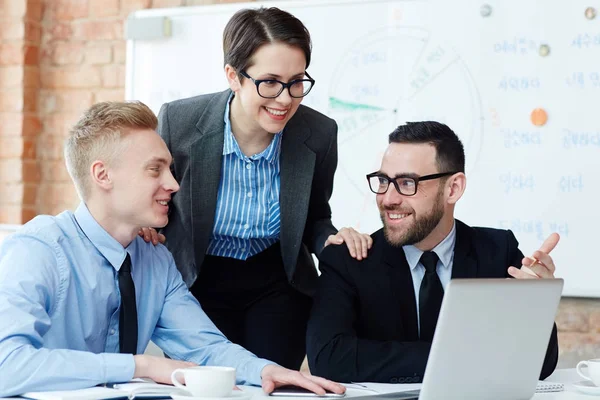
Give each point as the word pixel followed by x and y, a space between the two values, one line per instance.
pixel 566 376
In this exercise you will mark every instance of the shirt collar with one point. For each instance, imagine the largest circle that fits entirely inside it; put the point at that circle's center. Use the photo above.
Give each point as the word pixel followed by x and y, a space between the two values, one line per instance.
pixel 444 251
pixel 107 245
pixel 230 145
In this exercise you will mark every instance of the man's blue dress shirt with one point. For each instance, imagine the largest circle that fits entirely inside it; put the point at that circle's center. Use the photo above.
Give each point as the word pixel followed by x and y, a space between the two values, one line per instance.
pixel 59 309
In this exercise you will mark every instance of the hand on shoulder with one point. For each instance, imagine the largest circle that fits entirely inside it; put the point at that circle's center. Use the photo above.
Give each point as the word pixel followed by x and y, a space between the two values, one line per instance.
pixel 151 235
pixel 358 243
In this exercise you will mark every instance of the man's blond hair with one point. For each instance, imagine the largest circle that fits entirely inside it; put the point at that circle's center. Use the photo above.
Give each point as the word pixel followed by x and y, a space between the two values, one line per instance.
pixel 98 135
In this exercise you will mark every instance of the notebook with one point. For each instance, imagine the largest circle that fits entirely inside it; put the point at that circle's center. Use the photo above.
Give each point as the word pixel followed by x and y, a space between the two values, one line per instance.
pixel 542 387
pixel 138 388
pixel 382 388
pixel 546 387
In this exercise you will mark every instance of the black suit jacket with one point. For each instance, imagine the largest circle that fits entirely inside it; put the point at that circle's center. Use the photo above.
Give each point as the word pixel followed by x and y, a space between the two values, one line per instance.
pixel 363 326
pixel 193 130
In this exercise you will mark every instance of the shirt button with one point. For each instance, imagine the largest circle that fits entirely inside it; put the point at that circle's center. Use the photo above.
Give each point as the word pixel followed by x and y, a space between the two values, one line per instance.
pixel 246 226
pixel 248 166
pixel 249 194
pixel 112 331
pixel 242 248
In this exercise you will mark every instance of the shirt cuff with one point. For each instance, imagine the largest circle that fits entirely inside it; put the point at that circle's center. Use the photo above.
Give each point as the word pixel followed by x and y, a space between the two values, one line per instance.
pixel 118 367
pixel 255 371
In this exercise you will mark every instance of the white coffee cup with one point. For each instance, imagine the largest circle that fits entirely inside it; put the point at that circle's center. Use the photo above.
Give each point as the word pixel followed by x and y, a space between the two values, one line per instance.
pixel 593 367
pixel 205 381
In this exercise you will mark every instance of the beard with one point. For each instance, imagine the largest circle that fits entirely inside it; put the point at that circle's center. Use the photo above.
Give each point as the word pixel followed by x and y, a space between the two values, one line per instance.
pixel 421 227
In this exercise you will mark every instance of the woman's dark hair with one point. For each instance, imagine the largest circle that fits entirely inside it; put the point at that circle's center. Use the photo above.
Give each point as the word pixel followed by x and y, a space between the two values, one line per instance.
pixel 250 29
pixel 450 154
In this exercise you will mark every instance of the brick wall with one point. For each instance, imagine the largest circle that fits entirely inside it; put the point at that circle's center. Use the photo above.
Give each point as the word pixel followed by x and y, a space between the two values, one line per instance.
pixel 578 323
pixel 20 36
pixel 57 57
pixel 81 62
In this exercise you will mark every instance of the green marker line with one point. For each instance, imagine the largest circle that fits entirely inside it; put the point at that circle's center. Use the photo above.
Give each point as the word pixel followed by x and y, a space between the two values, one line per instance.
pixel 336 103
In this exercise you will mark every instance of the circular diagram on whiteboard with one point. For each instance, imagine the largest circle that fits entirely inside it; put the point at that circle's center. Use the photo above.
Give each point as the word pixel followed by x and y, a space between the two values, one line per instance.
pixel 385 79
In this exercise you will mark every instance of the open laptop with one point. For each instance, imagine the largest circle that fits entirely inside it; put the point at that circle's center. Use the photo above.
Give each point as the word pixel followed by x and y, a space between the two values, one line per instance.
pixel 490 341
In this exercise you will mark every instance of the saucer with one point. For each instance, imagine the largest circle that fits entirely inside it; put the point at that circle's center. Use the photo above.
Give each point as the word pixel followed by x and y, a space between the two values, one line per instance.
pixel 587 387
pixel 235 395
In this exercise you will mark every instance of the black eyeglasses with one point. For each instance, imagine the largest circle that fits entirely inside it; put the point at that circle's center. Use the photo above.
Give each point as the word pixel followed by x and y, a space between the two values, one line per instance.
pixel 407 185
pixel 271 88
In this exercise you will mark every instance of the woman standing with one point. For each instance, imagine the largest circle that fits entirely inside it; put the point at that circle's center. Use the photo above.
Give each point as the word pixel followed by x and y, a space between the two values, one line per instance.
pixel 256 173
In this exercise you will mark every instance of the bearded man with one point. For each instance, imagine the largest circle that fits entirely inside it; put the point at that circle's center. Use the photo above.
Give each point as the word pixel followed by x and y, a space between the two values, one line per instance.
pixel 373 320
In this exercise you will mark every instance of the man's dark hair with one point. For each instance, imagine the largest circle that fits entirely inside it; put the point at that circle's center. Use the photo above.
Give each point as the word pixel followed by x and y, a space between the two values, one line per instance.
pixel 450 153
pixel 250 29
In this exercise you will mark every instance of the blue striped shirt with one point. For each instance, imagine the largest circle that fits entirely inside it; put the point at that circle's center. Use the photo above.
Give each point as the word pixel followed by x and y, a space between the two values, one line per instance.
pixel 247 219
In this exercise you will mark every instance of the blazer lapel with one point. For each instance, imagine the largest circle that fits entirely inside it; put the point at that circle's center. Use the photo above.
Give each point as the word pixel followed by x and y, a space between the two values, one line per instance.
pixel 464 264
pixel 297 170
pixel 205 169
pixel 401 286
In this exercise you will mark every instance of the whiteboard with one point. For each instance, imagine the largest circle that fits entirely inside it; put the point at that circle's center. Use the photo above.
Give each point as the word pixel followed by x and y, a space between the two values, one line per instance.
pixel 476 67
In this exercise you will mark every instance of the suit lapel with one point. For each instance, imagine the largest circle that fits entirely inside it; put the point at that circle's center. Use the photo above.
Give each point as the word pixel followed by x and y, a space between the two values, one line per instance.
pixel 297 170
pixel 402 289
pixel 205 168
pixel 464 264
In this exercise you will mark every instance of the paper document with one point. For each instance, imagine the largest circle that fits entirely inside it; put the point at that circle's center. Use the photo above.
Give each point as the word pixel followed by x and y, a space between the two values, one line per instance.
pixel 376 388
pixel 384 387
pixel 136 389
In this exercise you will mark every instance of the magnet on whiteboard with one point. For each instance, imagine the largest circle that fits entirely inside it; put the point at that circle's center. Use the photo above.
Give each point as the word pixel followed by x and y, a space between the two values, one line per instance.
pixel 485 10
pixel 590 13
pixel 147 28
pixel 544 50
pixel 539 117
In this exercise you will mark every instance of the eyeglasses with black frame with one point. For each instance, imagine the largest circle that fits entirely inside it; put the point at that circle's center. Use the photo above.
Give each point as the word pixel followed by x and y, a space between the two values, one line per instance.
pixel 406 185
pixel 271 88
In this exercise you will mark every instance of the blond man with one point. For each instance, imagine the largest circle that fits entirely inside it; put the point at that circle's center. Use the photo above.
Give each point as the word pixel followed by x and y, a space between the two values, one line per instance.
pixel 81 295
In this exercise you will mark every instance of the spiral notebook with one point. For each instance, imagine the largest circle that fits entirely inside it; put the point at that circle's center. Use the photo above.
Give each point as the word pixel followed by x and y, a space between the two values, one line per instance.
pixel 386 388
pixel 546 387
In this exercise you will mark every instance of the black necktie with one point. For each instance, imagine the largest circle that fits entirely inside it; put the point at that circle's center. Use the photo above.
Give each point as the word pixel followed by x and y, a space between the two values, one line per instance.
pixel 430 296
pixel 128 329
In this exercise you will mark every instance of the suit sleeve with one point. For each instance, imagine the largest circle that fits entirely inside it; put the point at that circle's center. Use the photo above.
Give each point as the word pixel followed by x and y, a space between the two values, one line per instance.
pixel 551 358
pixel 333 347
pixel 318 225
pixel 163 130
